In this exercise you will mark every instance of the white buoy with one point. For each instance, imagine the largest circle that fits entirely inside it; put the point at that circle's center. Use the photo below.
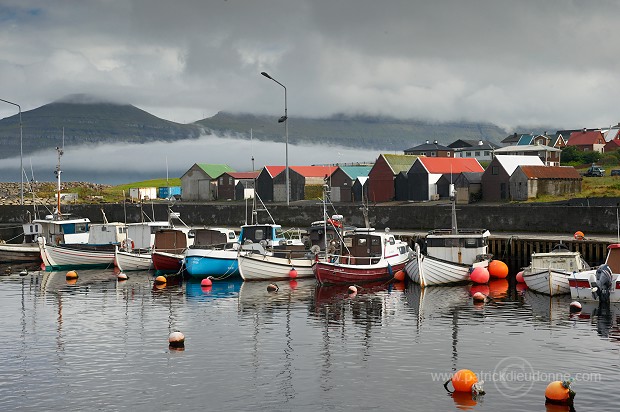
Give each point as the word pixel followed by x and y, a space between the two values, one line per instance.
pixel 122 276
pixel 575 307
pixel 176 340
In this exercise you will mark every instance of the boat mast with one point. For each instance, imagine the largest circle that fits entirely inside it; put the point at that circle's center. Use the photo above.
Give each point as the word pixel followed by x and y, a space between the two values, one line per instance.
pixel 455 228
pixel 57 172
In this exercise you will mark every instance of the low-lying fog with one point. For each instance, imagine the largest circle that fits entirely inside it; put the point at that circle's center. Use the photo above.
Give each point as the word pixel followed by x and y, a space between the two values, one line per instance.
pixel 126 163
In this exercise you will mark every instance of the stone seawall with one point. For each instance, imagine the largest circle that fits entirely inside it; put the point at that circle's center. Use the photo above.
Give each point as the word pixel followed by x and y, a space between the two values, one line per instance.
pixel 496 218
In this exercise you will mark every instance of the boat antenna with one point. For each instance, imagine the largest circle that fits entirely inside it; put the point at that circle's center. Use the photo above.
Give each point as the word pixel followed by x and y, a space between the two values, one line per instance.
pixel 252 150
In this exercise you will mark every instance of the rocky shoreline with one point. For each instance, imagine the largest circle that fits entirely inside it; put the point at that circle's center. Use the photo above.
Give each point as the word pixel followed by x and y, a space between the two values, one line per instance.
pixel 10 192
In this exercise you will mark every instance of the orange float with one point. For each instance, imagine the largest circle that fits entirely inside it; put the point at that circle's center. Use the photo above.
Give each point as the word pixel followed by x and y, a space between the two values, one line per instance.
pixel 579 235
pixel 72 274
pixel 399 276
pixel 498 269
pixel 559 392
pixel 160 280
pixel 463 380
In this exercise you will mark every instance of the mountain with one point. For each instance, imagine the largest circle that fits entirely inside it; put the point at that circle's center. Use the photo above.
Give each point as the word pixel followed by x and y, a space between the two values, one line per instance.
pixel 88 120
pixel 370 132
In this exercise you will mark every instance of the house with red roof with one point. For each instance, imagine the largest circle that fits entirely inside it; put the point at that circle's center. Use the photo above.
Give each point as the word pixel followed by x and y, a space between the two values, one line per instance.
pixel 527 181
pixel 264 182
pixel 229 182
pixel 587 140
pixel 425 172
pixel 613 140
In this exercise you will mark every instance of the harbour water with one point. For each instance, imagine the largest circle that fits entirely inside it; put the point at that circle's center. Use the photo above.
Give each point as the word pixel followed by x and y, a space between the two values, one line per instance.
pixel 101 344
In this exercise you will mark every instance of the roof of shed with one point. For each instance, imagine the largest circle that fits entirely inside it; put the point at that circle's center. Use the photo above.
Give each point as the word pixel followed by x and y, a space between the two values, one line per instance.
pixel 356 171
pixel 214 170
pixel 454 165
pixel 314 171
pixel 550 172
pixel 511 162
pixel 399 163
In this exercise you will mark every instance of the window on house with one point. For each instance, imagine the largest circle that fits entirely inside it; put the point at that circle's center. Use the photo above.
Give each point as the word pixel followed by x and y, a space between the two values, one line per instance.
pixel 468 154
pixel 433 154
pixel 487 153
pixel 495 170
pixel 221 180
pixel 477 154
pixel 448 154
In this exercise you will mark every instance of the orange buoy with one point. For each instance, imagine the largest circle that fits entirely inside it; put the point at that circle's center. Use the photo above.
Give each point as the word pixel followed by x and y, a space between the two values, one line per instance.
pixel 160 280
pixel 498 269
pixel 121 277
pixel 206 282
pixel 479 275
pixel 520 277
pixel 272 287
pixel 579 235
pixel 72 274
pixel 463 380
pixel 71 281
pixel 399 276
pixel 559 392
pixel 292 273
pixel 176 340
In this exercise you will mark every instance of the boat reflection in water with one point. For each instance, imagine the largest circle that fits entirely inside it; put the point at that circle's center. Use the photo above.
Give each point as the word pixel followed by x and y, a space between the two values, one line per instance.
pixel 219 289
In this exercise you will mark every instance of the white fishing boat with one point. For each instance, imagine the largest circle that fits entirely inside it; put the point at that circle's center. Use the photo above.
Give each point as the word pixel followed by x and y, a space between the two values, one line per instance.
pixel 259 264
pixel 601 284
pixel 130 261
pixel 548 272
pixel 450 255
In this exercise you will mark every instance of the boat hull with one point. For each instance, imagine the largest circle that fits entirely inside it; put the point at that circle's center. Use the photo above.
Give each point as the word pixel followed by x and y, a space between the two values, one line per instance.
pixel 429 271
pixel 328 273
pixel 127 261
pixel 254 266
pixel 20 252
pixel 202 263
pixel 59 258
pixel 581 288
pixel 547 281
pixel 167 262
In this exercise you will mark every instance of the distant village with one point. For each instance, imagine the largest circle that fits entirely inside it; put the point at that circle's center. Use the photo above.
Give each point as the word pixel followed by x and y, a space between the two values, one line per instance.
pixel 526 166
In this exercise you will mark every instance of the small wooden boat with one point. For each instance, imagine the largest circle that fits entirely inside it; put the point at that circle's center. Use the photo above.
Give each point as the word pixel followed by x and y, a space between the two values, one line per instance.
pixel 130 261
pixel 599 284
pixel 548 273
pixel 65 257
pixel 19 252
pixel 258 264
pixel 365 256
pixel 450 255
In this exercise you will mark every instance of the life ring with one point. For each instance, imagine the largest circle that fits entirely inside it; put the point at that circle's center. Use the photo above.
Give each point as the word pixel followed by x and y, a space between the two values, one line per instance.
pixel 126 242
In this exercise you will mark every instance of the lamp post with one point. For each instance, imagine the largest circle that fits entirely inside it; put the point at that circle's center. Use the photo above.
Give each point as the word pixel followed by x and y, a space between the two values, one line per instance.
pixel 283 119
pixel 21 149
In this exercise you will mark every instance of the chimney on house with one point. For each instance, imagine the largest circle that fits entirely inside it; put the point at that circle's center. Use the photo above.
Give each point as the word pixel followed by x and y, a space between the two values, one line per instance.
pixel 427 142
pixel 435 142
pixel 480 143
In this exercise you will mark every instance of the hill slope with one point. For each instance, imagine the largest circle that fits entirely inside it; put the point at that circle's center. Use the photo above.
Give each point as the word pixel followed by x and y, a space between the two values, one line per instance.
pixel 86 121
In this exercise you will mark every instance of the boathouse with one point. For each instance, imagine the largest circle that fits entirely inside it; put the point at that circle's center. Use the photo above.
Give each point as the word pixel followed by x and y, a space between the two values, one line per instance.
pixel 495 180
pixel 342 179
pixel 306 182
pixel 264 182
pixel 360 189
pixel 425 172
pixel 200 181
pixel 382 174
pixel 529 182
pixel 467 186
pixel 227 183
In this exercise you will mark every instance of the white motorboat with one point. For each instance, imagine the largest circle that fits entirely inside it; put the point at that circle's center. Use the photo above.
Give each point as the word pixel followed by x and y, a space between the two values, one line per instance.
pixel 601 284
pixel 548 272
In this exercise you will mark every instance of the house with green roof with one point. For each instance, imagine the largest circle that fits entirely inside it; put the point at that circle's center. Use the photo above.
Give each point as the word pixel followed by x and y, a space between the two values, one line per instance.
pixel 342 179
pixel 200 181
pixel 382 175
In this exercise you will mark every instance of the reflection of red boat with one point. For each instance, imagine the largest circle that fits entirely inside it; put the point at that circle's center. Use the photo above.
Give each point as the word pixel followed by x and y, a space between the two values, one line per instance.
pixel 368 256
pixel 327 294
pixel 167 262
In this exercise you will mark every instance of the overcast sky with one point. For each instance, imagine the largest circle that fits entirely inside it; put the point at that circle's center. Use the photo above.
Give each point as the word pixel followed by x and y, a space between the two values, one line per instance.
pixel 509 62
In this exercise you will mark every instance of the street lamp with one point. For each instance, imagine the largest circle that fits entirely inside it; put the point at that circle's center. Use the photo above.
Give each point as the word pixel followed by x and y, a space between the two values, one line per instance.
pixel 283 119
pixel 21 149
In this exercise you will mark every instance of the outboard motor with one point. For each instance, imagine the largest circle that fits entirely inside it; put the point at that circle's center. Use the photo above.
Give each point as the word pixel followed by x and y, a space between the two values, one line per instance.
pixel 603 284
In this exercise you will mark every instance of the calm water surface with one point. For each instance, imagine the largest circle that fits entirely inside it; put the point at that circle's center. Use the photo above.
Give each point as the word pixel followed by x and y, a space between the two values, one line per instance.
pixel 100 344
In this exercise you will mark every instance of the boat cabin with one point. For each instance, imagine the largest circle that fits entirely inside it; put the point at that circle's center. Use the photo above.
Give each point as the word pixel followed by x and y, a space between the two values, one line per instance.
pixel 172 240
pixel 613 257
pixel 107 233
pixel 464 246
pixel 558 259
pixel 210 237
pixel 57 232
pixel 142 235
pixel 272 234
pixel 364 246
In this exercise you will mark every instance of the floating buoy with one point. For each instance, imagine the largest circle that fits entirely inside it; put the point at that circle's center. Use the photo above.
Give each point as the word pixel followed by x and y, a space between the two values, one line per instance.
pixel 462 381
pixel 352 290
pixel 72 274
pixel 498 269
pixel 176 340
pixel 479 297
pixel 206 282
pixel 575 307
pixel 579 235
pixel 479 275
pixel 121 276
pixel 160 280
pixel 520 277
pixel 272 287
pixel 71 281
pixel 292 273
pixel 559 392
pixel 399 276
